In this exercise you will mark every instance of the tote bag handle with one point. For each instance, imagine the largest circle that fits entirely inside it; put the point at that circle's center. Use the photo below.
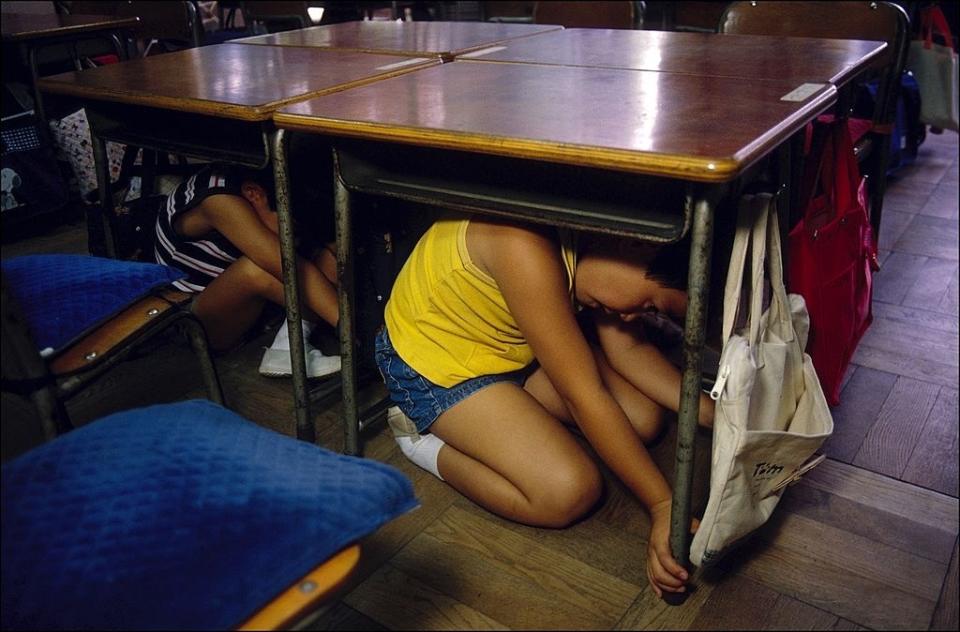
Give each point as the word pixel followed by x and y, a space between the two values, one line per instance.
pixel 757 228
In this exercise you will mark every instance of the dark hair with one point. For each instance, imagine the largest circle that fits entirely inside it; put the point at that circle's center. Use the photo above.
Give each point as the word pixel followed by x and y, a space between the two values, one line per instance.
pixel 670 265
pixel 262 177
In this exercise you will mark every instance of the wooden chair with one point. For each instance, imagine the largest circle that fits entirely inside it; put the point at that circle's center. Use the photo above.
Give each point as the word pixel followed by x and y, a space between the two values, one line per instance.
pixel 882 21
pixel 200 518
pixel 276 15
pixel 168 26
pixel 68 319
pixel 600 15
pixel 501 11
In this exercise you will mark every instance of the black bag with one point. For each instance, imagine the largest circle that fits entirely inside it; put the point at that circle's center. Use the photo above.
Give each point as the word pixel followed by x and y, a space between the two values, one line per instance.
pixel 135 227
pixel 33 184
pixel 908 132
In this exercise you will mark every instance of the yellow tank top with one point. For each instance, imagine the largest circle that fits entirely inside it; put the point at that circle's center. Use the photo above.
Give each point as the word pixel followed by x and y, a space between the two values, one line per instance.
pixel 447 318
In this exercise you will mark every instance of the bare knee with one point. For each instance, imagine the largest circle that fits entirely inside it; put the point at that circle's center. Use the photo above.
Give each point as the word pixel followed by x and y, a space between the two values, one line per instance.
pixel 572 491
pixel 648 423
pixel 255 278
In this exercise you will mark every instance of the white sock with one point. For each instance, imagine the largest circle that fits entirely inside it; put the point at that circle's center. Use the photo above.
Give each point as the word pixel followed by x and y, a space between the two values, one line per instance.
pixel 282 339
pixel 423 451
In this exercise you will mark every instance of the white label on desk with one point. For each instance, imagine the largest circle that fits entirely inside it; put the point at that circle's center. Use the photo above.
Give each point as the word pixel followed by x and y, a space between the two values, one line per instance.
pixel 401 64
pixel 484 51
pixel 803 92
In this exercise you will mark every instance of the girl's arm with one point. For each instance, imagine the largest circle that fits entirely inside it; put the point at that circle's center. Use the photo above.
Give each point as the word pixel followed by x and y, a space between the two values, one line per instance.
pixel 527 267
pixel 234 218
pixel 642 364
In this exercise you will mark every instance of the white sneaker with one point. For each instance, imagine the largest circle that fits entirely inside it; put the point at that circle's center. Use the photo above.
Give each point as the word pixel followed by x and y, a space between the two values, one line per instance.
pixel 276 363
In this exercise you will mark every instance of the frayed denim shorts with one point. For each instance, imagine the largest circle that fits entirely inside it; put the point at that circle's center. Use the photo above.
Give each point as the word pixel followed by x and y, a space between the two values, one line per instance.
pixel 420 399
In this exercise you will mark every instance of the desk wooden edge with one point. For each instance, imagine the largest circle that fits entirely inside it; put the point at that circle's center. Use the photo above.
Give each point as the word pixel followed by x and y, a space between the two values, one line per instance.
pixel 250 113
pixel 112 24
pixel 701 169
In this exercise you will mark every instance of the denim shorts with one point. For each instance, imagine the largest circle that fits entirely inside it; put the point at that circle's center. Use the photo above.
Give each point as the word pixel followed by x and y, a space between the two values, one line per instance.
pixel 420 399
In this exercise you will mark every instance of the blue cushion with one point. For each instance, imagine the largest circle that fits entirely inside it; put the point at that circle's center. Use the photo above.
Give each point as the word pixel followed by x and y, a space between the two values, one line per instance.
pixel 64 296
pixel 177 516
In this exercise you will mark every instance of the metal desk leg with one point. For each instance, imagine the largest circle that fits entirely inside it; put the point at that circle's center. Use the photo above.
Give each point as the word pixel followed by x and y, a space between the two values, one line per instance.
pixel 291 289
pixel 693 339
pixel 346 294
pixel 100 238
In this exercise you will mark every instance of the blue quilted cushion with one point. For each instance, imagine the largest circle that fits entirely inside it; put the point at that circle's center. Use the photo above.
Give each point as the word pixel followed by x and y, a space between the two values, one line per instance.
pixel 177 516
pixel 64 296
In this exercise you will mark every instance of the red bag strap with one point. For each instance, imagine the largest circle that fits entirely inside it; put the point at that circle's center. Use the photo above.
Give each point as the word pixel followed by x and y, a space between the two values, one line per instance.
pixel 934 20
pixel 831 165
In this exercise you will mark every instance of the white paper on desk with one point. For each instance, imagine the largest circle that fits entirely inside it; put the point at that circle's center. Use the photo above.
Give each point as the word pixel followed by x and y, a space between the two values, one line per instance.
pixel 803 92
pixel 400 64
pixel 484 51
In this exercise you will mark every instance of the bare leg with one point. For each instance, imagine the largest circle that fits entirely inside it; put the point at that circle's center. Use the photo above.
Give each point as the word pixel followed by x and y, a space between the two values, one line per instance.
pixel 642 364
pixel 231 304
pixel 644 414
pixel 505 452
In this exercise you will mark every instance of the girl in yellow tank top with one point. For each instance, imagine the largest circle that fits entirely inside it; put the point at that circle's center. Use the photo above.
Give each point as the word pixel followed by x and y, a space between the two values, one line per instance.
pixel 483 353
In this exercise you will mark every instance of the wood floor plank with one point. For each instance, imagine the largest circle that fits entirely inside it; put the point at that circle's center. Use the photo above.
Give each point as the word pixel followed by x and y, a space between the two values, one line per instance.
pixel 900 272
pixel 737 604
pixel 942 202
pixel 907 195
pixel 524 571
pixel 890 441
pixel 932 543
pixel 791 614
pixel 933 286
pixel 933 463
pixel 945 616
pixel 927 316
pixel 615 548
pixel 914 339
pixel 841 573
pixel 886 495
pixel 401 602
pixel 340 616
pixel 914 366
pixel 951 298
pixel 931 237
pixel 892 225
pixel 860 402
pixel 844 624
pixel 650 612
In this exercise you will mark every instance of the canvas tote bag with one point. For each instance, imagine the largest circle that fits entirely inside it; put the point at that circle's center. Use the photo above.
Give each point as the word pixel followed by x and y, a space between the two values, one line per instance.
pixel 771 415
pixel 935 68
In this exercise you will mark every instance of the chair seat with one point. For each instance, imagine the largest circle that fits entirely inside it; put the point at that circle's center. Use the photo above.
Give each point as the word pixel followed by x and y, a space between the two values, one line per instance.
pixel 64 296
pixel 177 516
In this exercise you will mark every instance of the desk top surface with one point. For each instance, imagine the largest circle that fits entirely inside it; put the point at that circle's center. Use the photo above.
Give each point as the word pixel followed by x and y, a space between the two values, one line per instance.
pixel 18 27
pixel 791 59
pixel 433 39
pixel 693 127
pixel 238 82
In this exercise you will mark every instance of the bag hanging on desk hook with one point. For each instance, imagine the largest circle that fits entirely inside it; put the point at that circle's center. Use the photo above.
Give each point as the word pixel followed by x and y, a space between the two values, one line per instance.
pixel 771 415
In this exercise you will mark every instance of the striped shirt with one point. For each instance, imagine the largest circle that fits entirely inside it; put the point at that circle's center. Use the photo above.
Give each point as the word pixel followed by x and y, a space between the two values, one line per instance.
pixel 202 259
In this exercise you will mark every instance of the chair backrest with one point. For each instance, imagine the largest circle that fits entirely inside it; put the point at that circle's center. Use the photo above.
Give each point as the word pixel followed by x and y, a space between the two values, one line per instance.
pixel 602 15
pixel 696 16
pixel 277 15
pixel 501 11
pixel 881 21
pixel 177 22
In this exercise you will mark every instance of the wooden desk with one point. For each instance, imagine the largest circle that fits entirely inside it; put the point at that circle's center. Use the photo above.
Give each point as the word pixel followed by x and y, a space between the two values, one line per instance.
pixel 212 103
pixel 416 39
pixel 33 32
pixel 504 138
pixel 796 59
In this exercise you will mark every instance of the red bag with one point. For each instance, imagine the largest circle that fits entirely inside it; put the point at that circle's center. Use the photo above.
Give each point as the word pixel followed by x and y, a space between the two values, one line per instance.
pixel 832 254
